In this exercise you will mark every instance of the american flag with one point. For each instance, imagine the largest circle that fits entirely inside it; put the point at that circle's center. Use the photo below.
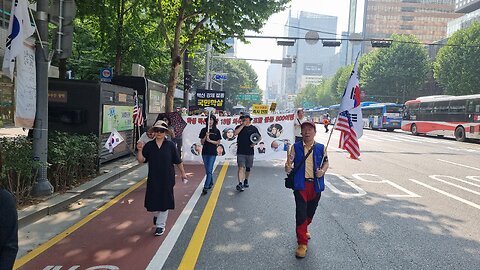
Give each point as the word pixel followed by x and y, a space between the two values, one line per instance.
pixel 349 120
pixel 137 113
pixel 348 137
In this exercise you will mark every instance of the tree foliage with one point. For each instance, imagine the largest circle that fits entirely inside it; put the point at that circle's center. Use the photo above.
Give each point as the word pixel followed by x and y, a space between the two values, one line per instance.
pixel 394 74
pixel 112 33
pixel 242 78
pixel 456 67
pixel 191 23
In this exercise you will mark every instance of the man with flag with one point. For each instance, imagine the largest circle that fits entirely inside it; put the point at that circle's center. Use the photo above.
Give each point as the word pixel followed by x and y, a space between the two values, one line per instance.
pixel 349 120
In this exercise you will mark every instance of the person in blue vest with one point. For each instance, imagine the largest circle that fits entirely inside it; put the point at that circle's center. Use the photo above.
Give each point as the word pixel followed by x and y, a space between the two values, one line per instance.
pixel 308 181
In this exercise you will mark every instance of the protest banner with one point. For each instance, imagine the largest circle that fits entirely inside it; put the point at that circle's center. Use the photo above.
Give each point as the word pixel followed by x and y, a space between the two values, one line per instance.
pixel 259 109
pixel 276 131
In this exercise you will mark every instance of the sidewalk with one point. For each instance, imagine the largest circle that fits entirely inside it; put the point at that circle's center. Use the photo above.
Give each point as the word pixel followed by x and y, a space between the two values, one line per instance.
pixel 58 202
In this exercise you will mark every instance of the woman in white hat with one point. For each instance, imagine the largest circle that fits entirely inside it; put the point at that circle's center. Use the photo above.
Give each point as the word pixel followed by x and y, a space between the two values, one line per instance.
pixel 161 155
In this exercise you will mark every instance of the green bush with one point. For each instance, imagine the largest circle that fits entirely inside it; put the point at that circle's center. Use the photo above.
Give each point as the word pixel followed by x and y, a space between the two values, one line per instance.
pixel 72 159
pixel 17 168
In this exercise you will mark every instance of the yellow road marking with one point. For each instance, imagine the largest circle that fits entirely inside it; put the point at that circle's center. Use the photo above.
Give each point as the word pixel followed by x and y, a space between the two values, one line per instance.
pixel 42 248
pixel 190 257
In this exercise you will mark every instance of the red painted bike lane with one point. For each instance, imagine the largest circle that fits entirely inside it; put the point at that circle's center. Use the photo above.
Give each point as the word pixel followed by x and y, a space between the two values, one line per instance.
pixel 121 236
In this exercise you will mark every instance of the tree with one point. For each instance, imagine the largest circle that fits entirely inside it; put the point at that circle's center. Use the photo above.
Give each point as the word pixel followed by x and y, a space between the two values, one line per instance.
pixel 191 23
pixel 397 73
pixel 242 78
pixel 111 32
pixel 456 66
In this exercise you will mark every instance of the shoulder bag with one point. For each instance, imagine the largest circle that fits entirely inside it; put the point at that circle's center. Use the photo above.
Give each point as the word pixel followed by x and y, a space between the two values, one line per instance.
pixel 291 175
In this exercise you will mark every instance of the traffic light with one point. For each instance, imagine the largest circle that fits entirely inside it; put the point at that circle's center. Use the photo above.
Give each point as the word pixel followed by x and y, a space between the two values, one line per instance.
pixel 381 43
pixel 187 81
pixel 331 43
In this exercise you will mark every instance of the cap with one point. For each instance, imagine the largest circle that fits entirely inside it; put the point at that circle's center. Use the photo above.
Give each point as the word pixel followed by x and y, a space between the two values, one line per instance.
pixel 309 124
pixel 161 124
pixel 300 110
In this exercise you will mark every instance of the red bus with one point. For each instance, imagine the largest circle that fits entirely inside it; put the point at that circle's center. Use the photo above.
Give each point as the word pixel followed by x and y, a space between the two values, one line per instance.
pixel 457 116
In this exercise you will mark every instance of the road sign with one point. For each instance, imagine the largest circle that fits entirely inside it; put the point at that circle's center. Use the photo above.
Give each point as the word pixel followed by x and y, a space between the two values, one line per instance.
pixel 106 74
pixel 220 77
pixel 249 97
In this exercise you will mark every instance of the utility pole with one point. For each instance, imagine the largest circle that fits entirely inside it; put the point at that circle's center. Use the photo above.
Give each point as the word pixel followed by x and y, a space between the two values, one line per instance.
pixel 41 186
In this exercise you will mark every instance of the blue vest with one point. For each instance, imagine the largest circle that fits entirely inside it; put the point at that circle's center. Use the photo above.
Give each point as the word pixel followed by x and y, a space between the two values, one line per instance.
pixel 299 179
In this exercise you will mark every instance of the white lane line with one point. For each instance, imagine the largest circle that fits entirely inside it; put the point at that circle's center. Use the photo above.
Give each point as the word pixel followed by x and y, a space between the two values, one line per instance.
pixel 406 139
pixel 437 177
pixel 458 164
pixel 457 186
pixel 474 178
pixel 447 194
pixel 163 252
pixel 360 191
pixel 369 138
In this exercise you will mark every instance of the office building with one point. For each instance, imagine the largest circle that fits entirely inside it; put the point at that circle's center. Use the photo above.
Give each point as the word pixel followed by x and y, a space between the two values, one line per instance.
pixel 312 61
pixel 425 19
pixel 471 10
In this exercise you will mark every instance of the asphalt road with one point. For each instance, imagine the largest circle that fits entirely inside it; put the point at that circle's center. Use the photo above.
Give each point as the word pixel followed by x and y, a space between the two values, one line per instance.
pixel 410 203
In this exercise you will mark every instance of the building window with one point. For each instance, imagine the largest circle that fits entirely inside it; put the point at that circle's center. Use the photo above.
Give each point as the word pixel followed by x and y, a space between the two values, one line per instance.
pixel 406 27
pixel 408 9
pixel 407 18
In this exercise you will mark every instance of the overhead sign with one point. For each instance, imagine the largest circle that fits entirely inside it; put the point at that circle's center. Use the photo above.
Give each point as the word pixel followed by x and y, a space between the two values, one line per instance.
pixel 210 98
pixel 220 77
pixel 106 74
pixel 259 109
pixel 249 97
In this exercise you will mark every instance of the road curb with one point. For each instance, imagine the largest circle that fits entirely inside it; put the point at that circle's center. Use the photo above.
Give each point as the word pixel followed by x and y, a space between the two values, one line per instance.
pixel 59 201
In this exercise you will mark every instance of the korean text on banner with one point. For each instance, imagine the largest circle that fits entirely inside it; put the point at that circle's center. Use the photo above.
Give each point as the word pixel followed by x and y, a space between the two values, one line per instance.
pixel 259 109
pixel 276 131
pixel 25 86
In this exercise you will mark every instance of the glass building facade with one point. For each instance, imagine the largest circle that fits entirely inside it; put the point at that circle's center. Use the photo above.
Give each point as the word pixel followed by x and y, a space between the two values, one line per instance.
pixel 426 19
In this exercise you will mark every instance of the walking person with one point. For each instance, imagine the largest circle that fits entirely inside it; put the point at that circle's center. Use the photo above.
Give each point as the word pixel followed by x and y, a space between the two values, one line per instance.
pixel 8 230
pixel 147 136
pixel 161 155
pixel 308 182
pixel 297 122
pixel 245 150
pixel 326 122
pixel 210 138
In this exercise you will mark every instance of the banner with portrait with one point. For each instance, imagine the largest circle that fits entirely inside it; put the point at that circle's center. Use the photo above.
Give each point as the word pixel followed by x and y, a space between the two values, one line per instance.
pixel 276 131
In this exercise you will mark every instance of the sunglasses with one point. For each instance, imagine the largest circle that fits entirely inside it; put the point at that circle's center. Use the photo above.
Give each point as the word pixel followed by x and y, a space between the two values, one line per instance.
pixel 159 130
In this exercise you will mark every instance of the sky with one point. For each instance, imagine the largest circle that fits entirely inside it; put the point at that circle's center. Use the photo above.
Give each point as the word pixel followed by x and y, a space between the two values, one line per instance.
pixel 267 48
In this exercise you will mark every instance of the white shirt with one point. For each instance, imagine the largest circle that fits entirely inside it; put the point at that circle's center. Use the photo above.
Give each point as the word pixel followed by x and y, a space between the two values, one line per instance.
pixel 297 124
pixel 144 138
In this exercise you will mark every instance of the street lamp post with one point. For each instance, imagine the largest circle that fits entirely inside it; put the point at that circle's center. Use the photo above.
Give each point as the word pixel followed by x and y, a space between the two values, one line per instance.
pixel 42 186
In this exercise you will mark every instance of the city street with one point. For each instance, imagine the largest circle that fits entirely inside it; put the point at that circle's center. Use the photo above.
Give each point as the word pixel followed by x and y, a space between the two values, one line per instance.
pixel 412 202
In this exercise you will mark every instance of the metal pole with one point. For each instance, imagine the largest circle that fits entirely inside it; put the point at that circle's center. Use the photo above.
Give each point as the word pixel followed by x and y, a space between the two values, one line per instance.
pixel 207 67
pixel 364 30
pixel 41 186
